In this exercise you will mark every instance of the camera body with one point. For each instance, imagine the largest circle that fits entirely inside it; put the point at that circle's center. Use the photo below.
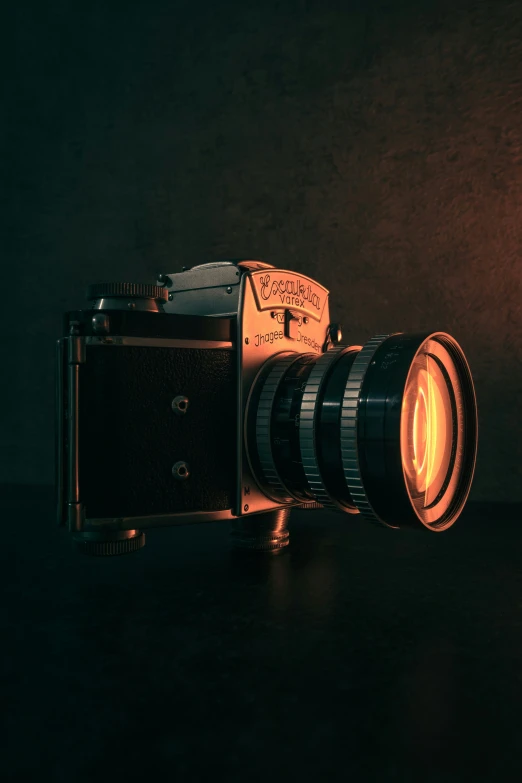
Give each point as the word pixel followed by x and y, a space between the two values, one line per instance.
pixel 154 383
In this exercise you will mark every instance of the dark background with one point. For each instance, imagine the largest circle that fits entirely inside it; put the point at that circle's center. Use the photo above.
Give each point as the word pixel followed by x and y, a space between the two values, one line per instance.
pixel 375 146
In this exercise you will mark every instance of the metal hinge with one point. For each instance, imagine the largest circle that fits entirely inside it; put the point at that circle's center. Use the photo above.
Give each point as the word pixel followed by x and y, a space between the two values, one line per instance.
pixel 75 349
pixel 72 355
pixel 75 517
pixel 60 432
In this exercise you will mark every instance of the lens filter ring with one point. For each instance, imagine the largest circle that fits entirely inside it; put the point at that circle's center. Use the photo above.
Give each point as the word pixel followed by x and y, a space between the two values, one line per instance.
pixel 409 430
pixel 309 422
pixel 349 427
pixel 417 431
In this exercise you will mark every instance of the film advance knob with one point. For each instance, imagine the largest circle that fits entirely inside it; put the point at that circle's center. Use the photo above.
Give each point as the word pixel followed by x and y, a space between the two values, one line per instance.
pixel 99 544
pixel 127 296
pixel 126 291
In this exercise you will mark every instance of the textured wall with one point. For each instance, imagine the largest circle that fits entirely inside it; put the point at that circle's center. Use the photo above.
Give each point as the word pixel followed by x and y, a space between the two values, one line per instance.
pixel 374 146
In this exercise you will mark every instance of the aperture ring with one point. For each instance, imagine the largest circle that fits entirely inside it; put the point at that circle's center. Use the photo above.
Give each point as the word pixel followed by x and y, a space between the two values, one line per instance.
pixel 349 422
pixel 264 425
pixel 308 423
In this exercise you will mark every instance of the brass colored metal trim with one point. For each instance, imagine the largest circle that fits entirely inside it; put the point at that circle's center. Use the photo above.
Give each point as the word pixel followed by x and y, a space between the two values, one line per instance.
pixel 157 520
pixel 157 342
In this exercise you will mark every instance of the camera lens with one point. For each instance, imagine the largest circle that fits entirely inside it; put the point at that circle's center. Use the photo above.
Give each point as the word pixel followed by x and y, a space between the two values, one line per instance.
pixel 388 430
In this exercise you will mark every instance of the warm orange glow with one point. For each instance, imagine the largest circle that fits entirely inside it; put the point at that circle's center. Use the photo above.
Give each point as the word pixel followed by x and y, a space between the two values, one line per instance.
pixel 426 429
pixel 419 432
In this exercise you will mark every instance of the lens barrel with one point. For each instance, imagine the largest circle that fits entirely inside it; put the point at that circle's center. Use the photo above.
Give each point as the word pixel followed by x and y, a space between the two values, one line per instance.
pixel 388 430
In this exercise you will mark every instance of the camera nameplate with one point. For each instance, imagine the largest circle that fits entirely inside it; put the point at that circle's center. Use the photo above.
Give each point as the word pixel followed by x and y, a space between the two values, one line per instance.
pixel 279 288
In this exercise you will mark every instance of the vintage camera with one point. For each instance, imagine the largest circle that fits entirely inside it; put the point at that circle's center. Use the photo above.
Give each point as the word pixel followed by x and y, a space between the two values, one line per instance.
pixel 223 392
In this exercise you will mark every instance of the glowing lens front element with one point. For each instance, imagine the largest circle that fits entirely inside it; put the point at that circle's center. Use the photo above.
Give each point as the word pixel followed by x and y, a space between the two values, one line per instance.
pixel 427 429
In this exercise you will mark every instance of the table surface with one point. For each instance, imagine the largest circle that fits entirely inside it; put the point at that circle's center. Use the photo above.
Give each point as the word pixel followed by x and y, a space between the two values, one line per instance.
pixel 359 653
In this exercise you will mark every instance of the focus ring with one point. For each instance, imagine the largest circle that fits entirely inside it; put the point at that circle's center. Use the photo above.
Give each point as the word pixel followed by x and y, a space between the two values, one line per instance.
pixel 349 421
pixel 264 425
pixel 308 423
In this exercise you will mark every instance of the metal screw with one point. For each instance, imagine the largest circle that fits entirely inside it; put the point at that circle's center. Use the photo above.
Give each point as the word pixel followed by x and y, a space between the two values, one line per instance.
pixel 131 305
pixel 335 332
pixel 171 297
pixel 180 470
pixel 164 280
pixel 100 323
pixel 272 314
pixel 229 289
pixel 305 319
pixel 247 340
pixel 245 507
pixel 180 404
